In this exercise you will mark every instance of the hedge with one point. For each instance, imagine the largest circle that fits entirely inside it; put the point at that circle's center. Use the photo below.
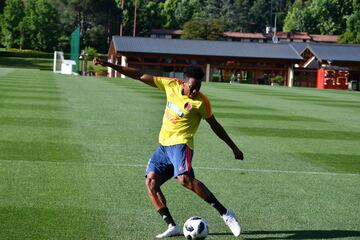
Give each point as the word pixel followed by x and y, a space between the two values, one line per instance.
pixel 28 54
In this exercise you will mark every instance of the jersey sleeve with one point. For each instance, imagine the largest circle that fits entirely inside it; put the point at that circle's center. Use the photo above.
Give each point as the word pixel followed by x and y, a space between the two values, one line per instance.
pixel 162 82
pixel 205 108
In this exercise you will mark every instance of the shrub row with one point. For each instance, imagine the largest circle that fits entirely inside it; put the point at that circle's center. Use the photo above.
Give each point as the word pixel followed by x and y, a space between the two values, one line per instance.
pixel 28 54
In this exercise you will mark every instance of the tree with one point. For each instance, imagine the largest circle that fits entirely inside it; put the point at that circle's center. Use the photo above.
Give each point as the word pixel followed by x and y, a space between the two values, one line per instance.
pixel 299 18
pixel 215 29
pixel 195 29
pixel 98 21
pixel 186 10
pixel 280 8
pixel 41 25
pixel 146 12
pixel 203 29
pixel 318 16
pixel 11 24
pixel 352 33
pixel 212 9
pixel 2 5
pixel 228 14
pixel 329 15
pixel 168 13
pixel 260 15
pixel 242 19
pixel 151 15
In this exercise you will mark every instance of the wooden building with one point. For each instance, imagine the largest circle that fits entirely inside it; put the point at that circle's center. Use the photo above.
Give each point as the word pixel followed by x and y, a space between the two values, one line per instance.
pixel 255 37
pixel 290 63
pixel 322 58
pixel 221 60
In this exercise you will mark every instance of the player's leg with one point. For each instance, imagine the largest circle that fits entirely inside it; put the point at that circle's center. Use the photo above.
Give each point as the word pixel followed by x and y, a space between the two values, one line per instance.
pixel 158 171
pixel 153 183
pixel 202 191
pixel 181 157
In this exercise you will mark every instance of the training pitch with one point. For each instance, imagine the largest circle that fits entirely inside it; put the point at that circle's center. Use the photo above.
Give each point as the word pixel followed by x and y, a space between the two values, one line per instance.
pixel 73 152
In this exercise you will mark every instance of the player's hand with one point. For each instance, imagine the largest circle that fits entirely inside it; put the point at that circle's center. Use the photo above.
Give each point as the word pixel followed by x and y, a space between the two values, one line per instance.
pixel 238 154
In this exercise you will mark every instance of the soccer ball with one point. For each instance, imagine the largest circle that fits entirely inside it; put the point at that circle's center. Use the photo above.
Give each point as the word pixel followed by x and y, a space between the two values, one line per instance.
pixel 195 228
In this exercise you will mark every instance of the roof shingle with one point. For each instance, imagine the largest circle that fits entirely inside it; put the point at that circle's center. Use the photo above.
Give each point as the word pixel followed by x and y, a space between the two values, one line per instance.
pixel 204 48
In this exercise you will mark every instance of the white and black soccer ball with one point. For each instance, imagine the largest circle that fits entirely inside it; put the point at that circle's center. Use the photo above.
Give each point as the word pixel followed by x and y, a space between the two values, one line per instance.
pixel 195 228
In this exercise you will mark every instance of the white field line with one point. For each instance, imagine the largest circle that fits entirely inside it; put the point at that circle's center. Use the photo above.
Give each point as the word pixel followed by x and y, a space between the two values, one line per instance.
pixel 123 165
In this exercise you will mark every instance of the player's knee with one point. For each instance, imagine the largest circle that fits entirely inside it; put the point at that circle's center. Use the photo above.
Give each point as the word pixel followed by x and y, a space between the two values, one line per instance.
pixel 186 181
pixel 151 185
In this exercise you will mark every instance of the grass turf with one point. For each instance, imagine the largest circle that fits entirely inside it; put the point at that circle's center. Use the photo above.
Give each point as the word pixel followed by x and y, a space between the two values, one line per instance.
pixel 29 63
pixel 73 151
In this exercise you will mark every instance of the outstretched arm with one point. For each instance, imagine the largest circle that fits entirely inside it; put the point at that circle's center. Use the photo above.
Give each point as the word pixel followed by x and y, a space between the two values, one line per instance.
pixel 222 134
pixel 127 71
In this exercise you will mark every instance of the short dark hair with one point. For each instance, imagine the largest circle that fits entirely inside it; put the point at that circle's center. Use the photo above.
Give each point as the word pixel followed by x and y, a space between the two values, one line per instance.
pixel 194 72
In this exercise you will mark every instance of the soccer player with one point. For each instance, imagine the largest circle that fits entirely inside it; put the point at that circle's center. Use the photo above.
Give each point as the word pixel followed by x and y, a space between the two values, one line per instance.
pixel 185 107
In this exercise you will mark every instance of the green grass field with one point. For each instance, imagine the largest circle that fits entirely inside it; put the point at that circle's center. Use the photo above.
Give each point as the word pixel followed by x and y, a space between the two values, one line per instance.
pixel 73 151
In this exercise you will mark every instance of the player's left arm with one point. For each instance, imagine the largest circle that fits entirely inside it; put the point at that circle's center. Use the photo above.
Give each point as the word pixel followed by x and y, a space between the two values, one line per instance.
pixel 222 134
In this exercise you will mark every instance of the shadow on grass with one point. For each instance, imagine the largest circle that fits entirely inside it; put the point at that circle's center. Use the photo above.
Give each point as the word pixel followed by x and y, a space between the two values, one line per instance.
pixel 300 234
pixel 220 234
pixel 36 63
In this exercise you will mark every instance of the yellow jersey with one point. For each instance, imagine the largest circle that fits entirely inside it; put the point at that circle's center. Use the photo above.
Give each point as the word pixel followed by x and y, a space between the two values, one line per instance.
pixel 182 114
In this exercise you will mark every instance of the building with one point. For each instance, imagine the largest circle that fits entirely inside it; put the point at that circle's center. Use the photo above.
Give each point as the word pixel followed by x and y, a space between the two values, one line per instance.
pixel 341 59
pixel 290 63
pixel 255 37
pixel 166 33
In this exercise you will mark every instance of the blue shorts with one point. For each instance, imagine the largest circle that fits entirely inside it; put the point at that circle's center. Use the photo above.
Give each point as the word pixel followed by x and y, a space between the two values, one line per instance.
pixel 171 161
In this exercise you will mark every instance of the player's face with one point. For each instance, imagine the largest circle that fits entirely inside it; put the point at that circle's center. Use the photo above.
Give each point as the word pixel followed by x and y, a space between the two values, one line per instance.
pixel 190 87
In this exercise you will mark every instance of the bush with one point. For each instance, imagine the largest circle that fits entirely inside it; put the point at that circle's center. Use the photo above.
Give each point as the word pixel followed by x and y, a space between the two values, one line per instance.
pixel 101 71
pixel 96 70
pixel 28 54
pixel 90 69
pixel 216 77
pixel 277 79
pixel 92 52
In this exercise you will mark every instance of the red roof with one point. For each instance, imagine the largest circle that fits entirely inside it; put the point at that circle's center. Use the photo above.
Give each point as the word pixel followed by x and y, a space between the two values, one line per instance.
pixel 293 35
pixel 324 38
pixel 244 35
pixel 281 35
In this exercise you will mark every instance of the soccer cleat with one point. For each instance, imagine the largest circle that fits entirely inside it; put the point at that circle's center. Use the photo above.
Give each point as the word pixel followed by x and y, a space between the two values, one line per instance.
pixel 170 232
pixel 232 223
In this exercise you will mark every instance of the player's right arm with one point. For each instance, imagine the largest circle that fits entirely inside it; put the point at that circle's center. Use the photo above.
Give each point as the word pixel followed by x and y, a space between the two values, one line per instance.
pixel 127 71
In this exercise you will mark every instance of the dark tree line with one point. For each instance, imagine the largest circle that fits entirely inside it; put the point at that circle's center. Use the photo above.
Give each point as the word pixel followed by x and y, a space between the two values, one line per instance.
pixel 47 24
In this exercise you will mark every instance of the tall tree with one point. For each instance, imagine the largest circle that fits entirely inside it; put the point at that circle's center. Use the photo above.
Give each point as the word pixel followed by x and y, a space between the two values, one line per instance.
pixel 2 5
pixel 242 18
pixel 168 13
pixel 260 15
pixel 187 10
pixel 41 24
pixel 98 21
pixel 319 16
pixel 212 9
pixel 11 24
pixel 203 29
pixel 228 14
pixel 296 17
pixel 352 33
pixel 152 17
